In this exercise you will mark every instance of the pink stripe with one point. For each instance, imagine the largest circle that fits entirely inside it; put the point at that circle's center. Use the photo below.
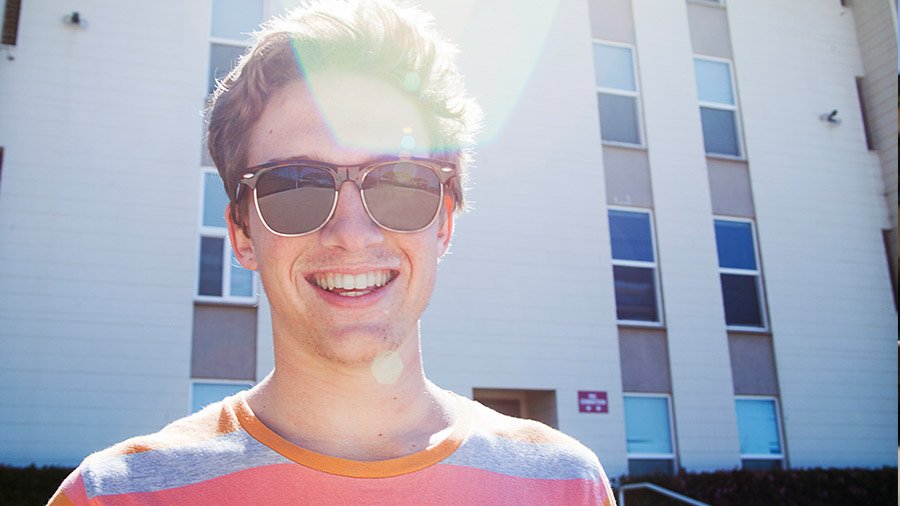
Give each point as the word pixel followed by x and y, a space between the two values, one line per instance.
pixel 439 484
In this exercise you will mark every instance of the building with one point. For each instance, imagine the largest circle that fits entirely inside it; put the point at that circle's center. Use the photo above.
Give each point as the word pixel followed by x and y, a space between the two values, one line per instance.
pixel 679 250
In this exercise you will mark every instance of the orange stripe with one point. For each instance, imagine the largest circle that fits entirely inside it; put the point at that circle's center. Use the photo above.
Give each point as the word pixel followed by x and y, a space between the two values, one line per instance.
pixel 354 468
pixel 60 499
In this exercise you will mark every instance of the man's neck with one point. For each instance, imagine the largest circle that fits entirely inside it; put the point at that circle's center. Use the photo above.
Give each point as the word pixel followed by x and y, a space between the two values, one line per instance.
pixel 363 412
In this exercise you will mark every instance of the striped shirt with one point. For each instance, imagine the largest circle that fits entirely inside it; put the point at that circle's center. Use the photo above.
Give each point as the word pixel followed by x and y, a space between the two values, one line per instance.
pixel 225 455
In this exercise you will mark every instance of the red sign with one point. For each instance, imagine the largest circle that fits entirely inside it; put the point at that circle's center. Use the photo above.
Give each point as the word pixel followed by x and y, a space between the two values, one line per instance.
pixel 592 402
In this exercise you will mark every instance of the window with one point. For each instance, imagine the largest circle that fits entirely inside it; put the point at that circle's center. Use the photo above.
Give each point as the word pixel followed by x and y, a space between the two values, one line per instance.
pixel 739 272
pixel 617 95
pixel 634 266
pixel 232 22
pixel 10 31
pixel 718 107
pixel 648 431
pixel 207 392
pixel 221 277
pixel 760 433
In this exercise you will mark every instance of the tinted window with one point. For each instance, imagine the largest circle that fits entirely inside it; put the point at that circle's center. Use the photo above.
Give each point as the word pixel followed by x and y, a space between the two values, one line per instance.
pixel 719 131
pixel 211 252
pixel 734 242
pixel 631 235
pixel 647 425
pixel 613 67
pixel 740 294
pixel 618 118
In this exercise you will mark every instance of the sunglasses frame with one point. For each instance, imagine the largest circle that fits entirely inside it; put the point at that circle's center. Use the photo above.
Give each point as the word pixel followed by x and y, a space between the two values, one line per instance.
pixel 443 169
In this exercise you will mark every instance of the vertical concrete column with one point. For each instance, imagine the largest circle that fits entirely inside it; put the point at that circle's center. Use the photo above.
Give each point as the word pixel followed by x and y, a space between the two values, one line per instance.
pixel 705 420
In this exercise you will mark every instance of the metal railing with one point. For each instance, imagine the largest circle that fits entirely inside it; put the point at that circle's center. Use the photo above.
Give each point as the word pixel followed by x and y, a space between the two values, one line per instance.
pixel 658 489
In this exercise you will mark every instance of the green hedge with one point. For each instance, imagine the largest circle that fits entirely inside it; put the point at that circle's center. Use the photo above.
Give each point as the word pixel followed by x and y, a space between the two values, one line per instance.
pixel 795 487
pixel 29 485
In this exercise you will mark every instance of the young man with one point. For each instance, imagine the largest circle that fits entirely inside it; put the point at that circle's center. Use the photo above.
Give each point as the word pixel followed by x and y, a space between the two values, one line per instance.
pixel 341 140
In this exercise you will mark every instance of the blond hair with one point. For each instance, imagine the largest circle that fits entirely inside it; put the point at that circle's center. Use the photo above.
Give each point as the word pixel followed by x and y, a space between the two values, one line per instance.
pixel 375 37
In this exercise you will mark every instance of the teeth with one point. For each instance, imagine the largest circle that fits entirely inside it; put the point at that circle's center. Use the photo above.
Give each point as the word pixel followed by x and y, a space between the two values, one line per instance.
pixel 355 285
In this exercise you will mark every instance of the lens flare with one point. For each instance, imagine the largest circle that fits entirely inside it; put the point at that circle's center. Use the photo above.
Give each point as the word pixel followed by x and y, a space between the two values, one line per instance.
pixel 501 47
pixel 386 367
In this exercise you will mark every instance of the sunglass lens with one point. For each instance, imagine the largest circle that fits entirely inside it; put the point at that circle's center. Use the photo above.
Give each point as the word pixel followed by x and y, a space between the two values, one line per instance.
pixel 402 196
pixel 295 199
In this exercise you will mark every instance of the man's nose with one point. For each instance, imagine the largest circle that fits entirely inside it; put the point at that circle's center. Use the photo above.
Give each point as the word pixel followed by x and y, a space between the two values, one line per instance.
pixel 350 227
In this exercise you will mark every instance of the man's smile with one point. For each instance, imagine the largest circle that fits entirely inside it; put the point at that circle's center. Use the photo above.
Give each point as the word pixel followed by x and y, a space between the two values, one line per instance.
pixel 352 284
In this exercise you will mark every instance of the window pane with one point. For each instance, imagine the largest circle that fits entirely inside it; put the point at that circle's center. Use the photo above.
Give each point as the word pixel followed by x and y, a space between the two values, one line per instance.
pixel 647 467
pixel 211 251
pixel 647 425
pixel 719 131
pixel 618 118
pixel 214 201
pixel 740 294
pixel 713 81
pixel 613 67
pixel 734 241
pixel 635 293
pixel 758 427
pixel 204 394
pixel 233 19
pixel 630 235
pixel 221 59
pixel 241 279
pixel 761 464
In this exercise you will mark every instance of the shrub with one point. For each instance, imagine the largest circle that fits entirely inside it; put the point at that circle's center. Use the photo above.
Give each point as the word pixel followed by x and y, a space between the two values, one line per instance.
pixel 29 485
pixel 793 487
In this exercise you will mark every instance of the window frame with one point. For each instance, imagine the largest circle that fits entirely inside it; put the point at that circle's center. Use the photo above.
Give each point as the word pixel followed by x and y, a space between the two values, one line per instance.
pixel 220 233
pixel 760 286
pixel 211 381
pixel 636 95
pixel 643 264
pixel 654 456
pixel 782 457
pixel 735 108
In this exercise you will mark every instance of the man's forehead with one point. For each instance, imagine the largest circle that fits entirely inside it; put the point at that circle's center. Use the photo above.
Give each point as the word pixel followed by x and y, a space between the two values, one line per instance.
pixel 357 112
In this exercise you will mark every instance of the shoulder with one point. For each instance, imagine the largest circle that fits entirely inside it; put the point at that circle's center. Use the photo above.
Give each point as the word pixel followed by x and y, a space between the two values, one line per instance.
pixel 526 448
pixel 179 452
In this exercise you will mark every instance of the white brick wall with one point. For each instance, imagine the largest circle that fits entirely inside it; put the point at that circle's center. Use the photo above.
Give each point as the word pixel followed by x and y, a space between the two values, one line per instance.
pixel 817 193
pixel 98 217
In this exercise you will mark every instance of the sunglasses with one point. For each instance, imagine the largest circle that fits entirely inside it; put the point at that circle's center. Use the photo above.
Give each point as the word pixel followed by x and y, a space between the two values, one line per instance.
pixel 298 197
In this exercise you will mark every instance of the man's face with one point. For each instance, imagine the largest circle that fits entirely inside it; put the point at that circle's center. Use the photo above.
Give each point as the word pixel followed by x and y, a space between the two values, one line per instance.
pixel 345 119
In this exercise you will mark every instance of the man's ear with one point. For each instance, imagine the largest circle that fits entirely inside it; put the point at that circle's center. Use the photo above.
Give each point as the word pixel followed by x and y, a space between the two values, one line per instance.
pixel 240 243
pixel 445 228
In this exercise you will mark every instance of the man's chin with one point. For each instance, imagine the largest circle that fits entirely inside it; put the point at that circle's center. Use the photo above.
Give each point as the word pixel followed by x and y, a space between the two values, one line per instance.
pixel 357 349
